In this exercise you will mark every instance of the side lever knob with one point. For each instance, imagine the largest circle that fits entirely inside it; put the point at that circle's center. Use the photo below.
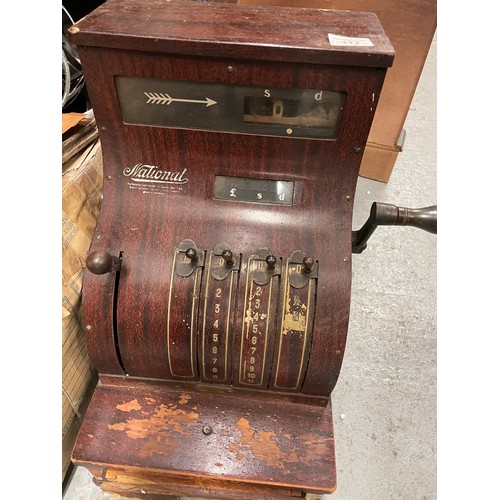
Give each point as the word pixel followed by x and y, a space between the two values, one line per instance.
pixel 384 214
pixel 102 262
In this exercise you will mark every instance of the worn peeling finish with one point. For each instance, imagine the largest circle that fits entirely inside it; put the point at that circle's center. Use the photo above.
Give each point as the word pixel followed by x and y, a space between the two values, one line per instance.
pixel 234 448
pixel 274 451
pixel 295 315
pixel 184 398
pixel 315 448
pixel 158 428
pixel 131 405
pixel 260 443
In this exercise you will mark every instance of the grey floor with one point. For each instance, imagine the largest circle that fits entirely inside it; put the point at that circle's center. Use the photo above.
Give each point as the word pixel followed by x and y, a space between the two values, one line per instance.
pixel 385 400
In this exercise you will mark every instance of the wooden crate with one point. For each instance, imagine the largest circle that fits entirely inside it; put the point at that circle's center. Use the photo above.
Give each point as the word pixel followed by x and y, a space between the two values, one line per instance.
pixel 410 25
pixel 81 197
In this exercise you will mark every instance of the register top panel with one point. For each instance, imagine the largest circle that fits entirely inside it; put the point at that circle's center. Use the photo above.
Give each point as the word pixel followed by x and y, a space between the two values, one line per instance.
pixel 238 31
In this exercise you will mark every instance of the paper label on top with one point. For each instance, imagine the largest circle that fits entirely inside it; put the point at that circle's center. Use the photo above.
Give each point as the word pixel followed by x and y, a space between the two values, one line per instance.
pixel 348 41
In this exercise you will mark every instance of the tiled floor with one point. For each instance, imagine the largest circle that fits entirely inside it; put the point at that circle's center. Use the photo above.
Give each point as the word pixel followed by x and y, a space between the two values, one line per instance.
pixel 385 400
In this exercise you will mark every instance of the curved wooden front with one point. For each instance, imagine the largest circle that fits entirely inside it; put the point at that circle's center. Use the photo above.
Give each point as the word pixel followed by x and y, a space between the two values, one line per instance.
pixel 155 315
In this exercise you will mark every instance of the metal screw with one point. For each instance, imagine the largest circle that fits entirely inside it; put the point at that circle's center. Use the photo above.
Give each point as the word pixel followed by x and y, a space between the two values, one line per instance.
pixel 207 430
pixel 230 69
pixel 348 197
pixel 103 129
pixel 271 261
pixel 308 264
pixel 88 327
pixel 108 177
pixel 289 131
pixel 74 30
pixel 346 259
pixel 192 254
pixel 227 255
pixel 357 150
pixel 97 236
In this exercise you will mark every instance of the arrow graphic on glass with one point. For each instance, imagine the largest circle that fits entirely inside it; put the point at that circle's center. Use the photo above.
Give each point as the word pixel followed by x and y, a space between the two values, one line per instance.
pixel 160 98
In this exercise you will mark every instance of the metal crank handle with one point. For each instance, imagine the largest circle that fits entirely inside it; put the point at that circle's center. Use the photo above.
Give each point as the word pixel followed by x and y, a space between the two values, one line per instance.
pixel 384 214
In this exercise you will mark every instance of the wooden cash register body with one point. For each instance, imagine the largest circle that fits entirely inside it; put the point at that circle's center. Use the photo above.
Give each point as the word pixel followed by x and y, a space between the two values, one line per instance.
pixel 215 375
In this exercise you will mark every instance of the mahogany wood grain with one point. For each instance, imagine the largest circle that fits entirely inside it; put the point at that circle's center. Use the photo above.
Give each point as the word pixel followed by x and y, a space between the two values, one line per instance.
pixel 160 486
pixel 319 224
pixel 154 429
pixel 99 327
pixel 236 31
pixel 258 395
pixel 167 419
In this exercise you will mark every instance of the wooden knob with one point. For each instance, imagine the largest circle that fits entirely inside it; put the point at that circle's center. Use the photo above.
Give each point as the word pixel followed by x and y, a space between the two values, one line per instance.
pixel 102 262
pixel 271 261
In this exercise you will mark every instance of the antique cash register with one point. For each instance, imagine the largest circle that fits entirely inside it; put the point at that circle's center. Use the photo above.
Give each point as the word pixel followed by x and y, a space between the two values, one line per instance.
pixel 217 291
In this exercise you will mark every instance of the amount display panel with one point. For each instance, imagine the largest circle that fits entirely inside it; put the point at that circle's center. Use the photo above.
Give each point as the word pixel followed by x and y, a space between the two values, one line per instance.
pixel 253 190
pixel 306 113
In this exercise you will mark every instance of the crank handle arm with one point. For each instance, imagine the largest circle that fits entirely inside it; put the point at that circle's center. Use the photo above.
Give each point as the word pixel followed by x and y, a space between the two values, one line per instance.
pixel 384 214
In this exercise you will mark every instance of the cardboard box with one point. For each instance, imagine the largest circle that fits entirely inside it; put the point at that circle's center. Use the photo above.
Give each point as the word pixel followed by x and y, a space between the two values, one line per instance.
pixel 81 198
pixel 410 25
